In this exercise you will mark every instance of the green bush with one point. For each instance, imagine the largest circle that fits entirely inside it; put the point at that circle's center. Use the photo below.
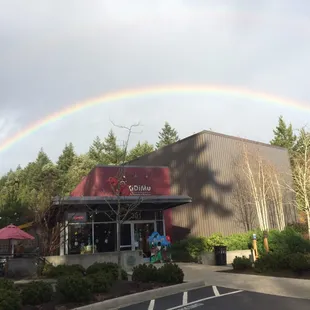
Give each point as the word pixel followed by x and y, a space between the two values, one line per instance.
pixel 286 242
pixel 9 299
pixel 301 228
pixel 100 282
pixel 290 240
pixel 180 253
pixel 215 240
pixel 170 274
pixel 239 241
pixel 241 263
pixel 299 262
pixel 74 288
pixel 191 248
pixel 51 271
pixel 196 246
pixel 111 268
pixel 145 273
pixel 271 262
pixel 75 268
pixel 6 284
pixel 36 293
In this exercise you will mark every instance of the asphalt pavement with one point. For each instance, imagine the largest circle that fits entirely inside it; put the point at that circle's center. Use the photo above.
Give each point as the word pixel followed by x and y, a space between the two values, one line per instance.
pixel 221 298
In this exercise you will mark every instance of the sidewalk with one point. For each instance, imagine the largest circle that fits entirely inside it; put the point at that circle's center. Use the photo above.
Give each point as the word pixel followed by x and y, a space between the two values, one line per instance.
pixel 26 281
pixel 269 285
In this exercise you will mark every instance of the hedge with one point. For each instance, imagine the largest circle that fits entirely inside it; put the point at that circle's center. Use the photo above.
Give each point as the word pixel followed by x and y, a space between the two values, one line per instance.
pixel 290 240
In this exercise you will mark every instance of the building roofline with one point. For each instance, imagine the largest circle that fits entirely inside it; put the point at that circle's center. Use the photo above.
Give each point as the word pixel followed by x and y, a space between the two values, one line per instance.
pixel 128 166
pixel 110 201
pixel 241 139
pixel 209 132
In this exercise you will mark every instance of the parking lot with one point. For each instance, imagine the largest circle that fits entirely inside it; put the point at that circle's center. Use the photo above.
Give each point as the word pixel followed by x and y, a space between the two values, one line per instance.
pixel 212 297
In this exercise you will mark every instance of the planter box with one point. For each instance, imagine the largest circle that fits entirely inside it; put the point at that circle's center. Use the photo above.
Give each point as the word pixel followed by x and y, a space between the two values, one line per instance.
pixel 209 257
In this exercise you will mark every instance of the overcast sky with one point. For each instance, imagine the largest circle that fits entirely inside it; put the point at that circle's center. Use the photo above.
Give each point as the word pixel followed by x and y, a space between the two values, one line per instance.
pixel 54 53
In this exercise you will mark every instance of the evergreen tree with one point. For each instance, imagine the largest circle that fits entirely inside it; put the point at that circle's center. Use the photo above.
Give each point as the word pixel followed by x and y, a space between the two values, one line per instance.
pixel 81 166
pixel 139 150
pixel 167 135
pixel 96 151
pixel 113 154
pixel 284 135
pixel 66 158
pixel 42 158
pixel 32 174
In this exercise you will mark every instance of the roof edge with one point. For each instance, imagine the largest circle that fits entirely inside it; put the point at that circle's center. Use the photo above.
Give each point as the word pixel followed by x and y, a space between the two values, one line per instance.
pixel 242 139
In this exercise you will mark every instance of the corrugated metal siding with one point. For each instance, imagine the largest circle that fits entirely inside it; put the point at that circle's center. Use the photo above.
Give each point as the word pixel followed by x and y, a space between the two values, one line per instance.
pixel 203 166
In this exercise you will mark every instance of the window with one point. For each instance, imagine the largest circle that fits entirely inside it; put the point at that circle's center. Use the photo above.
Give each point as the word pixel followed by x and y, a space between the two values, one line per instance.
pixel 79 238
pixel 105 237
pixel 108 216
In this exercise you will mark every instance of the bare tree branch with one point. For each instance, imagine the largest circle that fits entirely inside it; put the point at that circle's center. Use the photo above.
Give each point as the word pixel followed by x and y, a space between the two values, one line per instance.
pixel 263 189
pixel 301 174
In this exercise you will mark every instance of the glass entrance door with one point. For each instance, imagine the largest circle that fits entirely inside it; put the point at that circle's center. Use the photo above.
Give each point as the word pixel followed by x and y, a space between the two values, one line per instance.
pixel 126 244
pixel 141 233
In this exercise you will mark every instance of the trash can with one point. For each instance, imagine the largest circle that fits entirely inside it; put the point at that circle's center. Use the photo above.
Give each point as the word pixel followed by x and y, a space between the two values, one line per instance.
pixel 220 255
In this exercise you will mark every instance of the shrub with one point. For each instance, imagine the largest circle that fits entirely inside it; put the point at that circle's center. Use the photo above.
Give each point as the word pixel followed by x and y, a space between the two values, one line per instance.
pixel 180 252
pixel 111 268
pixel 301 228
pixel 239 241
pixel 191 248
pixel 299 262
pixel 271 262
pixel 36 293
pixel 241 263
pixel 196 246
pixel 75 268
pixel 47 270
pixel 215 240
pixel 51 271
pixel 74 288
pixel 9 300
pixel 170 274
pixel 6 284
pixel 100 282
pixel 286 242
pixel 145 273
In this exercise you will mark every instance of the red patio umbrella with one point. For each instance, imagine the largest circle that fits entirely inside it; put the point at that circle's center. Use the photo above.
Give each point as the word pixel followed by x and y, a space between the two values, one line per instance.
pixel 12 232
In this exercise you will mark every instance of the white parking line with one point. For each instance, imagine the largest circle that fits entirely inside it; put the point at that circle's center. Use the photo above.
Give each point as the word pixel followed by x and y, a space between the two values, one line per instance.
pixel 151 305
pixel 185 298
pixel 215 291
pixel 197 303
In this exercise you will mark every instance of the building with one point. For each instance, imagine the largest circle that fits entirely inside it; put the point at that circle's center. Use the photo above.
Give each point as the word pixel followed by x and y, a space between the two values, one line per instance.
pixel 138 195
pixel 204 166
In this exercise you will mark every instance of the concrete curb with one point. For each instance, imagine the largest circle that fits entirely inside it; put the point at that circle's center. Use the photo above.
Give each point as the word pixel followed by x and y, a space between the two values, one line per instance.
pixel 132 299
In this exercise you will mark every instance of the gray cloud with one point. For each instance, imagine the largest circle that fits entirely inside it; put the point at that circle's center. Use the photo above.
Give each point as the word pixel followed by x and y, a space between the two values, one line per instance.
pixel 54 53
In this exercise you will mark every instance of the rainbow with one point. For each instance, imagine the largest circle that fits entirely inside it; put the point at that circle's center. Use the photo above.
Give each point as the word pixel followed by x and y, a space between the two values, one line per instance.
pixel 152 91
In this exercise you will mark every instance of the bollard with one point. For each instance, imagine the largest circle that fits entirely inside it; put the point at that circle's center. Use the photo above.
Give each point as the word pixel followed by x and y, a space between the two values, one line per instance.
pixel 266 246
pixel 254 244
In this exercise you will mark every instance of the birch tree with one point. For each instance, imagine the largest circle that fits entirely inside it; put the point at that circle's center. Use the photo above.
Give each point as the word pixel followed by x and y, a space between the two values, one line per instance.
pixel 276 187
pixel 255 172
pixel 242 201
pixel 301 174
pixel 265 185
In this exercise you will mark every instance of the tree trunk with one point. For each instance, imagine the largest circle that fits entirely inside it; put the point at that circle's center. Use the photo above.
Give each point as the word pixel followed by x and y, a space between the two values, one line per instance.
pixel 118 244
pixel 308 222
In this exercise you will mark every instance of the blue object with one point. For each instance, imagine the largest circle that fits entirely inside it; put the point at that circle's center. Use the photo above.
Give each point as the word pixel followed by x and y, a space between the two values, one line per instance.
pixel 155 237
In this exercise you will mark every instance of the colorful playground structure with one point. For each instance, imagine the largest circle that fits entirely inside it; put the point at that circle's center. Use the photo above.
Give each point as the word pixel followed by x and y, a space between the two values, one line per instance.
pixel 160 248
